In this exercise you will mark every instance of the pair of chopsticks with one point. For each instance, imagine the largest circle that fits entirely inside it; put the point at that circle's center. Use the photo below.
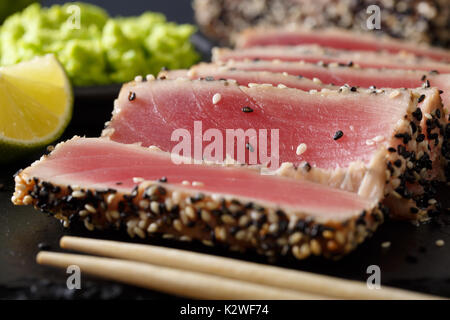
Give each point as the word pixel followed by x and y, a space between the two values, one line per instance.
pixel 202 276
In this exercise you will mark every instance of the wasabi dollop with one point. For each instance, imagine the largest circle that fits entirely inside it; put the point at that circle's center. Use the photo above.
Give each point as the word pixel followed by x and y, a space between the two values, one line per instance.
pixel 97 49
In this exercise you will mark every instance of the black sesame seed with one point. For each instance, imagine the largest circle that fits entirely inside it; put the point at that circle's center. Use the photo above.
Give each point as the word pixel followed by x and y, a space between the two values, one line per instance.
pixel 163 179
pixel 398 163
pixel 338 134
pixel 414 210
pixel 300 76
pixel 421 98
pixel 307 167
pixel 247 109
pixel 438 113
pixel 413 127
pixel 350 64
pixel 209 78
pixel 423 77
pixel 353 89
pixel 390 149
pixel 427 84
pixel 420 137
pixel 131 96
pixel 249 147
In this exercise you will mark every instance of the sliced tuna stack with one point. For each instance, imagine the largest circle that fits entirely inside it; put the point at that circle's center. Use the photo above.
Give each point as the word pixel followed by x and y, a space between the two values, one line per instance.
pixel 106 184
pixel 336 39
pixel 313 53
pixel 296 74
pixel 360 149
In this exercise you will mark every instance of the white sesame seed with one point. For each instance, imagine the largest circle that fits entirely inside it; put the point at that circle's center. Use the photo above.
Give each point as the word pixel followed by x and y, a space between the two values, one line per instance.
pixel 110 198
pixel 394 94
pixel 428 116
pixel 153 227
pixel 206 216
pixel 317 80
pixel 185 183
pixel 190 212
pixel 370 142
pixel 386 244
pixel 138 78
pixel 90 208
pixel 378 138
pixel 281 86
pixel 138 179
pixel 177 225
pixel 77 194
pixel 197 184
pixel 301 148
pixel 285 73
pixel 440 243
pixel 27 200
pixel 432 201
pixel 252 85
pixel 88 225
pixel 149 77
pixel 140 233
pixel 216 98
pixel 154 206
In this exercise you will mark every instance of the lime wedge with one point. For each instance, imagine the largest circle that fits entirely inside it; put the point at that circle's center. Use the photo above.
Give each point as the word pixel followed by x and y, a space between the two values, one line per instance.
pixel 35 105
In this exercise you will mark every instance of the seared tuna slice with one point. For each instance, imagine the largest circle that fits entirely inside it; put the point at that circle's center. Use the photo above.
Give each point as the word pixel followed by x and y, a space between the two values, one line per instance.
pixel 421 21
pixel 336 39
pixel 245 77
pixel 312 53
pixel 296 74
pixel 365 142
pixel 106 184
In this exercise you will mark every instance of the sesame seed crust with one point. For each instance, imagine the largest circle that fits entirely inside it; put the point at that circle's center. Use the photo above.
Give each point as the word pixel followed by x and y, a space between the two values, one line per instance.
pixel 156 209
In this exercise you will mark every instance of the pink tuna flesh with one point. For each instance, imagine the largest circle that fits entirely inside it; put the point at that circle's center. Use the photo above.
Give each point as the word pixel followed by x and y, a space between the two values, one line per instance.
pixel 100 163
pixel 337 39
pixel 160 107
pixel 338 75
pixel 316 54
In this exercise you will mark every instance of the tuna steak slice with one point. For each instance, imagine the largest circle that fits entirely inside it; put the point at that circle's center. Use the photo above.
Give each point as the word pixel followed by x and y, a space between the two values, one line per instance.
pixel 311 53
pixel 337 39
pixel 108 184
pixel 286 73
pixel 337 138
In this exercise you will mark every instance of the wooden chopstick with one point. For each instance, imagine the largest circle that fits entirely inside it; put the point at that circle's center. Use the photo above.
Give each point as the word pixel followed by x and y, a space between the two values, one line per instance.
pixel 168 280
pixel 230 268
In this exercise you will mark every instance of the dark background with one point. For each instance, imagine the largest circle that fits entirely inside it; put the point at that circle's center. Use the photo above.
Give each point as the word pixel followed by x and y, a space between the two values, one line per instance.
pixel 175 10
pixel 413 262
